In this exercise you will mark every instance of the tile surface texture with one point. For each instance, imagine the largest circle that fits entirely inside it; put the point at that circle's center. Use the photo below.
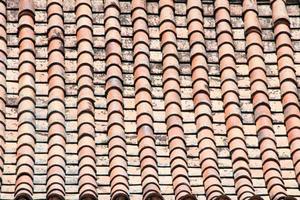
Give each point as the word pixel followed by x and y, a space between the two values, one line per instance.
pixel 149 100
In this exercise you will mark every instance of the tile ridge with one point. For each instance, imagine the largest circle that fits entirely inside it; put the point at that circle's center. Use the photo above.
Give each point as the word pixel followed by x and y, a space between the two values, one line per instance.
pixel 202 102
pixel 172 98
pixel 56 164
pixel 288 80
pixel 143 102
pixel 85 102
pixel 261 104
pixel 114 97
pixel 230 95
pixel 26 108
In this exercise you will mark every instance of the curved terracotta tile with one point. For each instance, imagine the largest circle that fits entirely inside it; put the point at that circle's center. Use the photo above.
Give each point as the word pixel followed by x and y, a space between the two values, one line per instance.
pixel 56 105
pixel 287 77
pixel 206 139
pixel 85 102
pixel 114 96
pixel 26 109
pixel 260 99
pixel 172 98
pixel 230 95
pixel 143 101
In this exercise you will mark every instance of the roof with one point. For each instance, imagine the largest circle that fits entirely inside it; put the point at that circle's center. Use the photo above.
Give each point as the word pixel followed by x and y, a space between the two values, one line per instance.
pixel 185 100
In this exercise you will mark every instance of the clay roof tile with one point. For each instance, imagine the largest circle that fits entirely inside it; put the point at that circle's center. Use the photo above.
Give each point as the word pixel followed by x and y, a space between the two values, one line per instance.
pixel 56 114
pixel 287 77
pixel 230 95
pixel 200 82
pixel 26 109
pixel 85 108
pixel 172 99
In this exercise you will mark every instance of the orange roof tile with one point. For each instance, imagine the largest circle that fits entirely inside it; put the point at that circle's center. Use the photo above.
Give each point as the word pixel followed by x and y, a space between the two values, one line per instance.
pixel 143 101
pixel 114 95
pixel 56 104
pixel 230 95
pixel 87 185
pixel 26 140
pixel 172 101
pixel 288 80
pixel 262 111
pixel 202 102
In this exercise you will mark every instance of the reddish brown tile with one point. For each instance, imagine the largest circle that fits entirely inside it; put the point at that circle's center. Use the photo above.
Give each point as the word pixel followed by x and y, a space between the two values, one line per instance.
pixel 230 95
pixel 85 102
pixel 143 102
pixel 172 98
pixel 206 139
pixel 259 89
pixel 114 89
pixel 26 109
pixel 56 105
pixel 287 77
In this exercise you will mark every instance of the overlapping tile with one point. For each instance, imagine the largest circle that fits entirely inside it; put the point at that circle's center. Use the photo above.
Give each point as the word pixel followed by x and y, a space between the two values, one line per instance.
pixel 261 104
pixel 231 102
pixel 85 101
pixel 287 77
pixel 143 101
pixel 26 106
pixel 172 101
pixel 56 103
pixel 114 95
pixel 201 95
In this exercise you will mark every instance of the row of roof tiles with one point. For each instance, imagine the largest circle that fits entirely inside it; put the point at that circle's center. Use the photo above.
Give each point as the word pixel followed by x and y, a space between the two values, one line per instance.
pixel 56 104
pixel 26 109
pixel 114 87
pixel 202 102
pixel 143 101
